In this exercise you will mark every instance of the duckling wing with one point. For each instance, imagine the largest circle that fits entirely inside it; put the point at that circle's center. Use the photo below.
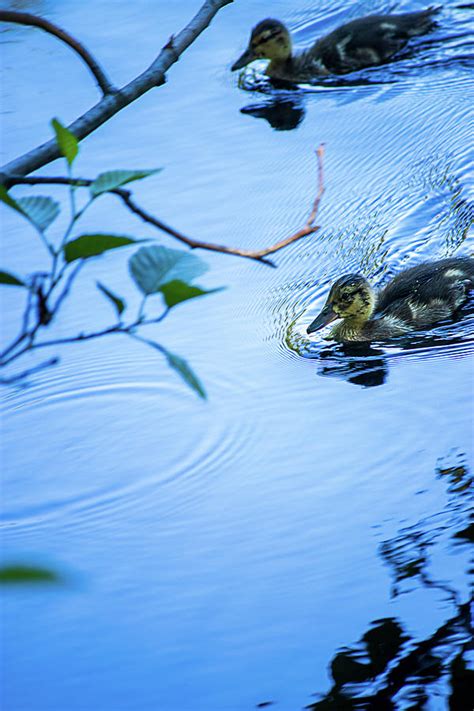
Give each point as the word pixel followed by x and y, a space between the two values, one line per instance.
pixel 370 40
pixel 427 293
pixel 414 313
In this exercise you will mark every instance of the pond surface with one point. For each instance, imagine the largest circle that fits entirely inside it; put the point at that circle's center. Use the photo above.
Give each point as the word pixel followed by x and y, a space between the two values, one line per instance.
pixel 218 555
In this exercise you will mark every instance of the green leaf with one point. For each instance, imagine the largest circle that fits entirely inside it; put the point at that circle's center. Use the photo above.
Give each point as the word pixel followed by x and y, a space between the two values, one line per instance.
pixel 87 246
pixel 151 267
pixel 185 371
pixel 177 291
pixel 8 200
pixel 180 365
pixel 41 211
pixel 112 179
pixel 14 574
pixel 67 141
pixel 116 300
pixel 11 279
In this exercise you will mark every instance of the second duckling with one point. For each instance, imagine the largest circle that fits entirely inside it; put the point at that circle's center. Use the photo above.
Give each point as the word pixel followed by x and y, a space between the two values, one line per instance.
pixel 416 298
pixel 365 42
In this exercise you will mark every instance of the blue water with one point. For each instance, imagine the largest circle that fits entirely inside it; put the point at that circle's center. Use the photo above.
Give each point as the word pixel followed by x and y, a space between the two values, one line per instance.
pixel 216 555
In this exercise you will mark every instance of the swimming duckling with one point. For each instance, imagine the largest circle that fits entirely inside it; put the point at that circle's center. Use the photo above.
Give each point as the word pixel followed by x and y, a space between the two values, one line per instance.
pixel 361 43
pixel 415 298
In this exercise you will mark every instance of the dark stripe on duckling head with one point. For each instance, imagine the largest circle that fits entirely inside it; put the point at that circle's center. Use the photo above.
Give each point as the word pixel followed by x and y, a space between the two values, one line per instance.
pixel 264 38
pixel 268 25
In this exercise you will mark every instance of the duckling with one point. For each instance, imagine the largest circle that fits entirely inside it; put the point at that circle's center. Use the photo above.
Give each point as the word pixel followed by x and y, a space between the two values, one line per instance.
pixel 416 298
pixel 361 43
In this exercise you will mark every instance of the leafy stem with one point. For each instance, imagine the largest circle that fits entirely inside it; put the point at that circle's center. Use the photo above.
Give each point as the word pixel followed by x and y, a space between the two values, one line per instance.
pixel 155 270
pixel 141 309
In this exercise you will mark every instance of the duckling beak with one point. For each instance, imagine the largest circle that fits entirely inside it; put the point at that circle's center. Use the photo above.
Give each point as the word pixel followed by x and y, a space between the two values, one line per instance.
pixel 326 316
pixel 247 57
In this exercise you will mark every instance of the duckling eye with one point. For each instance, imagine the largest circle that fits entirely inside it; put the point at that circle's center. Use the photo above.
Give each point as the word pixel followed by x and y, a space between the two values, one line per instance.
pixel 346 297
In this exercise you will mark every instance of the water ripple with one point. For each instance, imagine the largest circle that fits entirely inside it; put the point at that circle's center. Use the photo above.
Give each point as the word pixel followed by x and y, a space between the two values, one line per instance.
pixel 128 474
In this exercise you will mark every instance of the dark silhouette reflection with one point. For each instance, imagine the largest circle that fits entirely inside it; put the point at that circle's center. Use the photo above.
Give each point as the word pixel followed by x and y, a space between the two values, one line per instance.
pixel 401 678
pixel 283 114
pixel 408 554
pixel 358 363
pixel 389 669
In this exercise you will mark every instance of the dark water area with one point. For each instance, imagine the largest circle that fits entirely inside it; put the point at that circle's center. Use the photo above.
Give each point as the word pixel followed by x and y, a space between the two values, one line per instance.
pixel 303 536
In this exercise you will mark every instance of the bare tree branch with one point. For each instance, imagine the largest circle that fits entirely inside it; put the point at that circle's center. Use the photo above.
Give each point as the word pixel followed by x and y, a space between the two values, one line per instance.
pixel 25 18
pixel 113 103
pixel 125 195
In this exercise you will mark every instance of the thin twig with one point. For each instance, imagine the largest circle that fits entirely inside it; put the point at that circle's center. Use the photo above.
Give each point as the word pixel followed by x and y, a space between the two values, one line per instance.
pixel 113 103
pixel 319 195
pixel 117 328
pixel 12 346
pixel 63 341
pixel 25 18
pixel 25 373
pixel 24 333
pixel 126 197
pixel 157 319
pixel 309 227
pixel 141 309
pixel 82 337
pixel 68 285
pixel 148 342
pixel 11 179
pixel 26 315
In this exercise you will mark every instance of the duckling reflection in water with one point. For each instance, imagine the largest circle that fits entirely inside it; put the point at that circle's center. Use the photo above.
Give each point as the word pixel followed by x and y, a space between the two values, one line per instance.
pixel 417 298
pixel 365 42
pixel 282 114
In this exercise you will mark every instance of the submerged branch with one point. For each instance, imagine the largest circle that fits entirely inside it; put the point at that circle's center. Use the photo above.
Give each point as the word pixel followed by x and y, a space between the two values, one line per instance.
pixel 112 103
pixel 25 18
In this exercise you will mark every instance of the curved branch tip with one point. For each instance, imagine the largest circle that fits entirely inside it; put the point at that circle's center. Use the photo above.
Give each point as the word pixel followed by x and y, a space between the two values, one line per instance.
pixel 25 18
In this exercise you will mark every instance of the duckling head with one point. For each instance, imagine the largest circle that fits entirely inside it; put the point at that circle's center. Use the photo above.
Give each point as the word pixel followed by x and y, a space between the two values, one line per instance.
pixel 269 40
pixel 351 298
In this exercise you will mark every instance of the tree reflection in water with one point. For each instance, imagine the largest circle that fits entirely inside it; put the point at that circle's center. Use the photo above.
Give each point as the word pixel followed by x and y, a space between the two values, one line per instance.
pixel 388 668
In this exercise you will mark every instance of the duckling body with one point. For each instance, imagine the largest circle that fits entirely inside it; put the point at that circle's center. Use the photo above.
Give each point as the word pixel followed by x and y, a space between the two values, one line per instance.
pixel 416 298
pixel 365 42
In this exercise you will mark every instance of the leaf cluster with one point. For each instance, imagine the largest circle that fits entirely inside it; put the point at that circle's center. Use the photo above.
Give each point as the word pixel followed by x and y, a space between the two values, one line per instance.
pixel 155 269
